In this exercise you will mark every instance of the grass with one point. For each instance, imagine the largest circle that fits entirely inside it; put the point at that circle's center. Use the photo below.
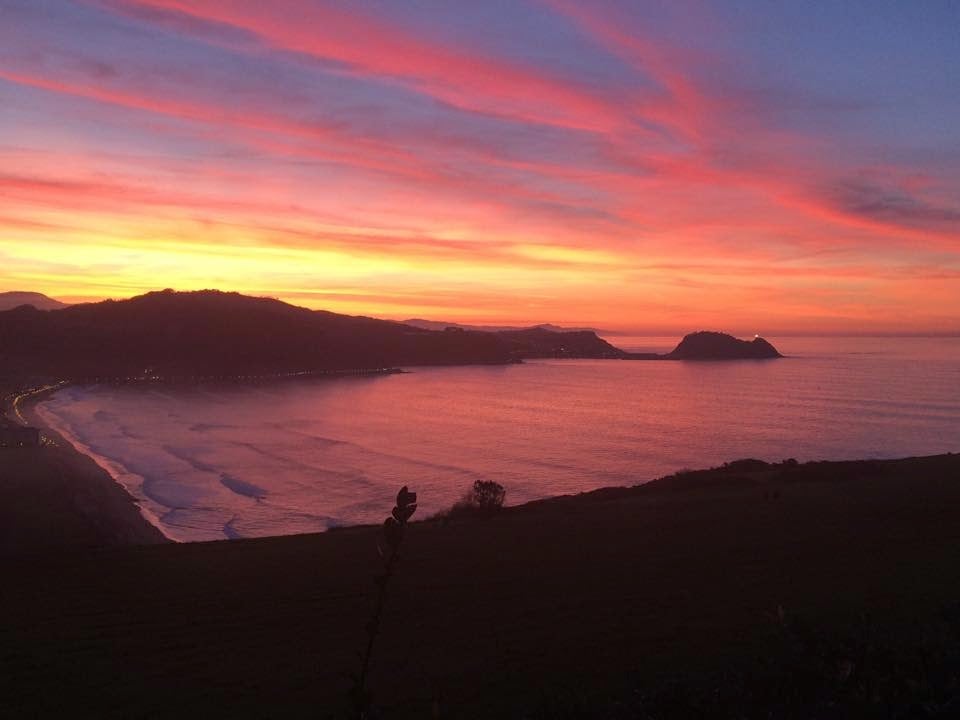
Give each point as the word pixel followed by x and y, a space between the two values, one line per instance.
pixel 658 599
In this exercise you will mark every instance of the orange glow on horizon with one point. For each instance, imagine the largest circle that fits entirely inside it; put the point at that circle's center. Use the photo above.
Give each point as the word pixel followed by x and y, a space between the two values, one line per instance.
pixel 409 173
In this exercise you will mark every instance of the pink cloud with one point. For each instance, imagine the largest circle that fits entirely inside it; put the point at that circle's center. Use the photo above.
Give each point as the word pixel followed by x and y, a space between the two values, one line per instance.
pixel 369 47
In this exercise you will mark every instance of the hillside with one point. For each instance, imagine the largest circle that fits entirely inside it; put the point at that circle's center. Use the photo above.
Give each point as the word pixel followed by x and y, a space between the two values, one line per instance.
pixel 212 333
pixel 588 606
pixel 541 342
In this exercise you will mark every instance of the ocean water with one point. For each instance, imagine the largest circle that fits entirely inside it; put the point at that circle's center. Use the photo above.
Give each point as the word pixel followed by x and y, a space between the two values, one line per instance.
pixel 231 461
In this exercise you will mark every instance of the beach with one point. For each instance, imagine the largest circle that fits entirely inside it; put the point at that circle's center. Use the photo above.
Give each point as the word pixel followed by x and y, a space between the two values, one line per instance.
pixel 582 596
pixel 55 497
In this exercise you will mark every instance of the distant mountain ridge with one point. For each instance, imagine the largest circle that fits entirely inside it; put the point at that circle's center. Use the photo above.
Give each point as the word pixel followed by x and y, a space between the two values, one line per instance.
pixel 437 325
pixel 13 299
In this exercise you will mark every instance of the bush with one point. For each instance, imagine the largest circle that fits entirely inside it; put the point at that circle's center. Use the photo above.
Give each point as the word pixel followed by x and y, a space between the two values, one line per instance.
pixel 487 495
pixel 484 498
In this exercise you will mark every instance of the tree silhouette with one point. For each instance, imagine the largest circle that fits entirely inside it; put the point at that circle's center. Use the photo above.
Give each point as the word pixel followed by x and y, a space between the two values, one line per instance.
pixel 487 495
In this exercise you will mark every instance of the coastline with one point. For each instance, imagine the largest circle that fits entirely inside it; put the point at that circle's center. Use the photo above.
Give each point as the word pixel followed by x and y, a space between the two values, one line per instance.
pixel 63 439
pixel 106 512
pixel 128 483
pixel 55 495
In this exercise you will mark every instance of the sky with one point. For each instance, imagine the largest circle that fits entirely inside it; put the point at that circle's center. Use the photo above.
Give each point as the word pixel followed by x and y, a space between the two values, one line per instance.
pixel 742 165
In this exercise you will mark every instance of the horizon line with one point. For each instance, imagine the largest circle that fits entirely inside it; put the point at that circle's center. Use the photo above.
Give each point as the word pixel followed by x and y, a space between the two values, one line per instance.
pixel 599 327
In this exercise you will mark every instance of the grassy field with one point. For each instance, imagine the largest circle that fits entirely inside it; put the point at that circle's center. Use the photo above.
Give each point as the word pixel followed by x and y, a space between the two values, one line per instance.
pixel 566 607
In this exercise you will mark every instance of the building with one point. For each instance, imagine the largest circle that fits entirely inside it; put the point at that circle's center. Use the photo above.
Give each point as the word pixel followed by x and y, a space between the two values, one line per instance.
pixel 19 436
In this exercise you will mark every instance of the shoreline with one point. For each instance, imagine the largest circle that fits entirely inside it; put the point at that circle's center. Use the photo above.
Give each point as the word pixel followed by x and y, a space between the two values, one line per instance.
pixel 63 450
pixel 57 495
pixel 133 523
pixel 148 528
pixel 64 440
pixel 177 380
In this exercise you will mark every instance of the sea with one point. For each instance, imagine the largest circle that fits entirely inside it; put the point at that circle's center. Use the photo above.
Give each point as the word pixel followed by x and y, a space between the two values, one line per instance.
pixel 235 461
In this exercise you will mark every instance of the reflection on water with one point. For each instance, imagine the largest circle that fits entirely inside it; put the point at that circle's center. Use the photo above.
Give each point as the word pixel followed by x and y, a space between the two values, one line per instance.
pixel 222 462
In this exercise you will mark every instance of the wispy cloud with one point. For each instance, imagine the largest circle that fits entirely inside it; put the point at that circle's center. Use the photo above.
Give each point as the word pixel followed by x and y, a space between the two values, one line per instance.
pixel 604 161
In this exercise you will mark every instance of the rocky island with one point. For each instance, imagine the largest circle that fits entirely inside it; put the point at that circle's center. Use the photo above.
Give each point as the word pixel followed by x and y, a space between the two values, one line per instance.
pixel 706 345
pixel 720 346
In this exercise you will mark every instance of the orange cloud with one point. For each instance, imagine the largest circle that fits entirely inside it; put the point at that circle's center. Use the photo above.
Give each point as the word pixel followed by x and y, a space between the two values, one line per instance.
pixel 484 188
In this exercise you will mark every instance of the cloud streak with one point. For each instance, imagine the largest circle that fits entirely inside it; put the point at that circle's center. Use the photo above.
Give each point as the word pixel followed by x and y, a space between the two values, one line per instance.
pixel 606 161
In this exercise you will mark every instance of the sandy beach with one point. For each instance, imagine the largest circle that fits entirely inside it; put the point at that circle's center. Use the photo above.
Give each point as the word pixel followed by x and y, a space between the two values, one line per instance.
pixel 575 597
pixel 53 496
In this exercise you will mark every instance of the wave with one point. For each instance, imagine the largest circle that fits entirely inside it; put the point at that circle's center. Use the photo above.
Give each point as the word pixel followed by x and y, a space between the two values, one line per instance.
pixel 241 487
pixel 133 483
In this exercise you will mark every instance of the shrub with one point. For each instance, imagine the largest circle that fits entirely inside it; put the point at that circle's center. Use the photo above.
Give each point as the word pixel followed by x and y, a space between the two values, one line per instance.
pixel 746 465
pixel 485 497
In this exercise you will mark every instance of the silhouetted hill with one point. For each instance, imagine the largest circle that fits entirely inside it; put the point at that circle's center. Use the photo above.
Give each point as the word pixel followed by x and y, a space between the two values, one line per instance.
pixel 543 343
pixel 212 333
pixel 217 334
pixel 10 300
pixel 720 346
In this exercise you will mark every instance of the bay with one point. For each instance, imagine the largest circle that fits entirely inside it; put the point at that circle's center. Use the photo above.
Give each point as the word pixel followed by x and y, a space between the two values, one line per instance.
pixel 231 461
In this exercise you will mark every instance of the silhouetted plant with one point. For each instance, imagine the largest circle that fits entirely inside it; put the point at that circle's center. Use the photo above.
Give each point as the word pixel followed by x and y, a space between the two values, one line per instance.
pixel 389 549
pixel 487 495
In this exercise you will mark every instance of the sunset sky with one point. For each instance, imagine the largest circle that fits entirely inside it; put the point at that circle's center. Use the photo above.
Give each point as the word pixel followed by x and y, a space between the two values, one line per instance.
pixel 747 165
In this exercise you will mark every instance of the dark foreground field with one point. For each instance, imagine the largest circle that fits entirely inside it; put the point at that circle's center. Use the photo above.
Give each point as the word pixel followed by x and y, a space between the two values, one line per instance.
pixel 722 593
